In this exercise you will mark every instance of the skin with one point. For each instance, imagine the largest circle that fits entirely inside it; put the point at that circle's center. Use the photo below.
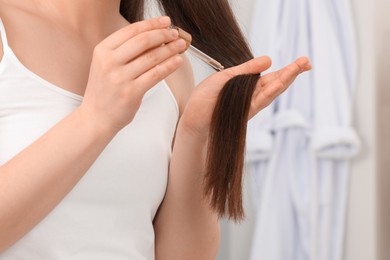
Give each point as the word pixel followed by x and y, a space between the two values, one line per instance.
pixel 113 74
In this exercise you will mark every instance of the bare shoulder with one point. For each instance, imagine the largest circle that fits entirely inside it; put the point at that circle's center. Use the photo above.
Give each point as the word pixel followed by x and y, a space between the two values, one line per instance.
pixel 182 83
pixel 6 7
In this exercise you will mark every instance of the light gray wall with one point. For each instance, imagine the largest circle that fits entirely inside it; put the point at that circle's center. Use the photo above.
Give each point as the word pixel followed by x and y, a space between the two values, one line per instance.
pixel 362 236
pixel 383 65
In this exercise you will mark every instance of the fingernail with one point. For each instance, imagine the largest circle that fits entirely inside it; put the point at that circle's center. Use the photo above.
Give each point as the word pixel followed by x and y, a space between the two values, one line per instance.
pixel 165 20
pixel 308 66
pixel 180 43
pixel 174 33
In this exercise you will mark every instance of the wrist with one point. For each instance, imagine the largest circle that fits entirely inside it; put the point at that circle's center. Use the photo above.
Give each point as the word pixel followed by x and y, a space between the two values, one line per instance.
pixel 189 133
pixel 94 124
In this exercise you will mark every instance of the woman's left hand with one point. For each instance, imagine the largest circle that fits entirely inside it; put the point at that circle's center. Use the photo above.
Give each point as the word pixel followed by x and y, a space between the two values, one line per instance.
pixel 197 114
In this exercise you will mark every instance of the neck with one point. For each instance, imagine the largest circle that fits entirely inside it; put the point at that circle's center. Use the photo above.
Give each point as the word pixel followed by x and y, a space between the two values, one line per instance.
pixel 82 15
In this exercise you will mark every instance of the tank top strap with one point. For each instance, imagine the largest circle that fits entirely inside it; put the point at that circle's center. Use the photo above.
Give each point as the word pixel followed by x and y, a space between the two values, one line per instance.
pixel 3 35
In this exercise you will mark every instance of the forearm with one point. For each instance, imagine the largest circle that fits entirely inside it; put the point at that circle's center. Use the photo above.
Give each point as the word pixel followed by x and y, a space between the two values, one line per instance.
pixel 186 227
pixel 38 178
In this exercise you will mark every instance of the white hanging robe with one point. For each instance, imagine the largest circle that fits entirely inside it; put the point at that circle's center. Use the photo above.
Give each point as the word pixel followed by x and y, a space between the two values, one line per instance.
pixel 304 184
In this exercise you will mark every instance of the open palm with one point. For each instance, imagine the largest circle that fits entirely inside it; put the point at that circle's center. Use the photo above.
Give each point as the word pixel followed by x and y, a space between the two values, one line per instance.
pixel 198 112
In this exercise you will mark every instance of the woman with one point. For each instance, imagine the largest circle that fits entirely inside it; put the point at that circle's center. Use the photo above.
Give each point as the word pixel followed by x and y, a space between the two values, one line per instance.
pixel 89 105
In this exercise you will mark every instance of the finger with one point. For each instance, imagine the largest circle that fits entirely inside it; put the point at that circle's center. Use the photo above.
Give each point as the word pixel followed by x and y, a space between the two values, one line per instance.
pixel 253 66
pixel 302 64
pixel 158 73
pixel 154 57
pixel 272 85
pixel 288 74
pixel 263 97
pixel 143 42
pixel 122 35
pixel 265 79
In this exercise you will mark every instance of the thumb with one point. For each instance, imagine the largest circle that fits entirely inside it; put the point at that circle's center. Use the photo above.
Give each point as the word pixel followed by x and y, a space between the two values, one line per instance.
pixel 253 66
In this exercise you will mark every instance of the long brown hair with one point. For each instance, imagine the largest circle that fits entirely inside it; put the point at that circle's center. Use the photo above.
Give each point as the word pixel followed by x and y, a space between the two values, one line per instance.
pixel 215 31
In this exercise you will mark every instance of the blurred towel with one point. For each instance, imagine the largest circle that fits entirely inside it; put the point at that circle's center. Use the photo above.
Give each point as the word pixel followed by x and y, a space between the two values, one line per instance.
pixel 298 149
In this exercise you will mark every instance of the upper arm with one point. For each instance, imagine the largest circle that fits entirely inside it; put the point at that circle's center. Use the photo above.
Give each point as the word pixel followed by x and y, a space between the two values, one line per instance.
pixel 182 83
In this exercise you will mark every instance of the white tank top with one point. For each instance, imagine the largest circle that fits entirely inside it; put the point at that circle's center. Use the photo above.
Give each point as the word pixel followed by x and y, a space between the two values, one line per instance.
pixel 109 213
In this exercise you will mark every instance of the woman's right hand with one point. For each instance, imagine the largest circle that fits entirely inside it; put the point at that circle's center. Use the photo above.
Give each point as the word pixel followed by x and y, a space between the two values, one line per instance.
pixel 125 66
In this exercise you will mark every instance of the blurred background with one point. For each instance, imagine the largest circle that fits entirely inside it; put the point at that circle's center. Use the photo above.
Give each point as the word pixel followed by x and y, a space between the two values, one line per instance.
pixel 336 206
